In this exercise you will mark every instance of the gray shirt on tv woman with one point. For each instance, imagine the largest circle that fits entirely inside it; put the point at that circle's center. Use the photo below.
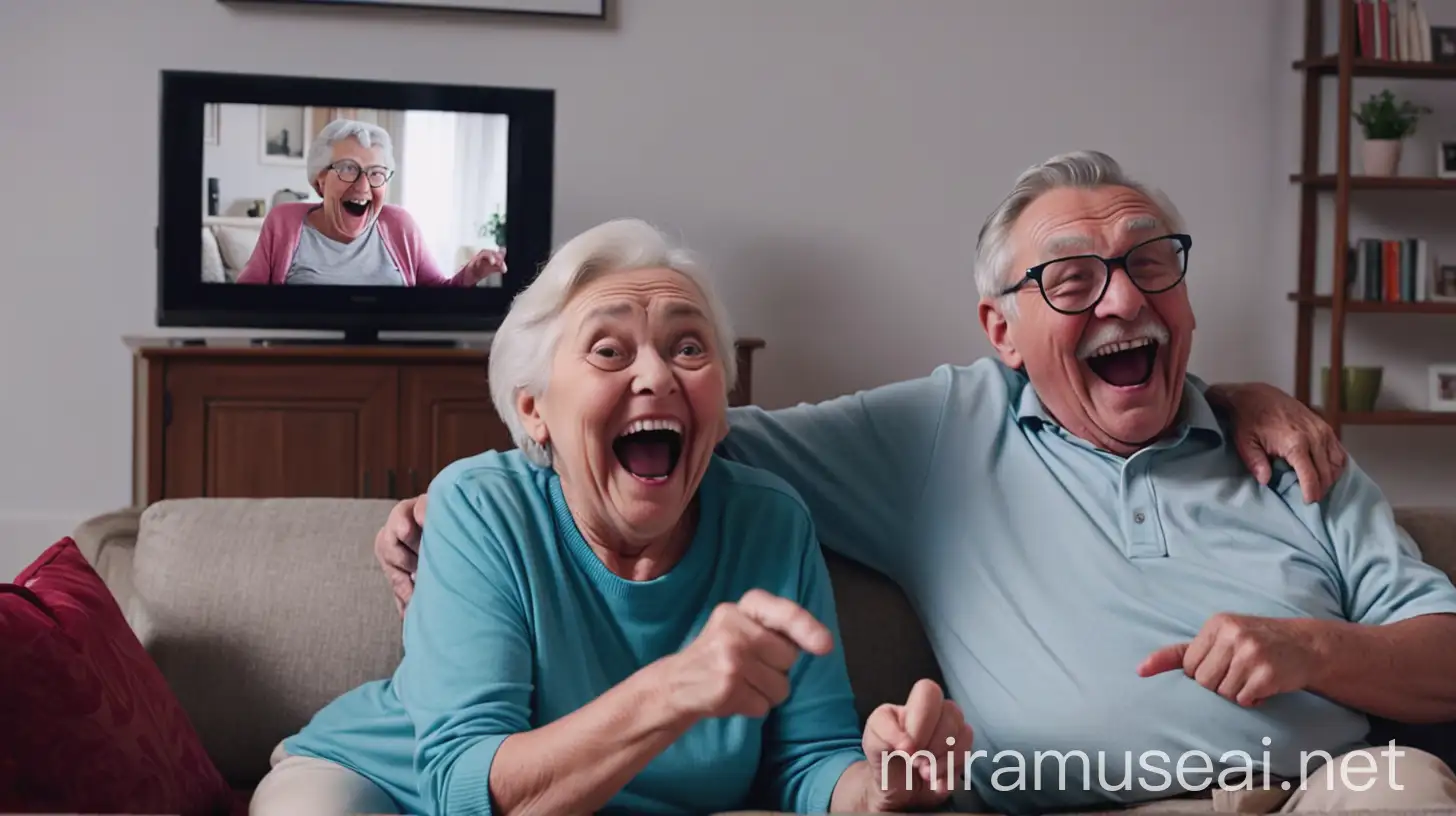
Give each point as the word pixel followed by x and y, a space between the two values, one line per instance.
pixel 320 260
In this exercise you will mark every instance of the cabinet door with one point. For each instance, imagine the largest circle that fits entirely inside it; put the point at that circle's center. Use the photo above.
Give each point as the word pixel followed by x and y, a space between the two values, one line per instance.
pixel 445 414
pixel 241 429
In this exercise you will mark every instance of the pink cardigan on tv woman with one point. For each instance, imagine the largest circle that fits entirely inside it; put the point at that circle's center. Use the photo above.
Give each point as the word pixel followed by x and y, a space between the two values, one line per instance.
pixel 284 225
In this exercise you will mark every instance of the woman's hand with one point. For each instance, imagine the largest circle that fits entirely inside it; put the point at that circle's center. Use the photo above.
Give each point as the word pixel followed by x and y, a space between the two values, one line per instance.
pixel 397 548
pixel 739 663
pixel 1269 423
pixel 486 262
pixel 926 722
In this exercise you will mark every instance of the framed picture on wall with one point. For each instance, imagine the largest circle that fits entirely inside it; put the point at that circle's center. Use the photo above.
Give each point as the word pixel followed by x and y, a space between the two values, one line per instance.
pixel 283 133
pixel 588 9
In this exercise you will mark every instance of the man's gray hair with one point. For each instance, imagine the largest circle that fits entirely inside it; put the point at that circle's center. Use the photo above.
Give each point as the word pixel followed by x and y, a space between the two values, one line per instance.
pixel 1086 169
pixel 321 149
pixel 521 352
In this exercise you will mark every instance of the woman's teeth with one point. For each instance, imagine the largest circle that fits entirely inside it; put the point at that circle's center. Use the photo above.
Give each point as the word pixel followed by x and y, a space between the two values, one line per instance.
pixel 653 425
pixel 356 206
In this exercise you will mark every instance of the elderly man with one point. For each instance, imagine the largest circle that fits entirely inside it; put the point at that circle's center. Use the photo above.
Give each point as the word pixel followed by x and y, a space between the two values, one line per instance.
pixel 1123 610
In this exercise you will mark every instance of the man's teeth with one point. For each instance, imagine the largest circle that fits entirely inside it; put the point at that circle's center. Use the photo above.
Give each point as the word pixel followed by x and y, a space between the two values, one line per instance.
pixel 1125 345
pixel 653 425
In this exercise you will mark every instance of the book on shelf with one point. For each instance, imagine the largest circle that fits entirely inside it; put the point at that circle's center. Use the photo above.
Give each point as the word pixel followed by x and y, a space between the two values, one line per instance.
pixel 1393 30
pixel 1390 270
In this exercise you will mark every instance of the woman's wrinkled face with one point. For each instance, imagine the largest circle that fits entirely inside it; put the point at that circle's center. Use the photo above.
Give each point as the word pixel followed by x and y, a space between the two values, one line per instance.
pixel 351 206
pixel 636 402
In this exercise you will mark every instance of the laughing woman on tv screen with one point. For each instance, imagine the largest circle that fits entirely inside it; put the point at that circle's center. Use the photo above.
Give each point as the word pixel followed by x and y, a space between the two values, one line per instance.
pixel 352 238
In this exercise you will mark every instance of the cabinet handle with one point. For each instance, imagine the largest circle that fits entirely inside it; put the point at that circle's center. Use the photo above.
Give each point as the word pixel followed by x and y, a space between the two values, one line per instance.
pixel 367 491
pixel 389 482
pixel 414 482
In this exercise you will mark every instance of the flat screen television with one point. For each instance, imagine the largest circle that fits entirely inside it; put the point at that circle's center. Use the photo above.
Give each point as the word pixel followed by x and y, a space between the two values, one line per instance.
pixel 403 225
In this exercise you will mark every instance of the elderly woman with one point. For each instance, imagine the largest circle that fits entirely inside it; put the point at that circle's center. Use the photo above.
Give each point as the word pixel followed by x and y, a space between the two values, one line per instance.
pixel 612 617
pixel 353 238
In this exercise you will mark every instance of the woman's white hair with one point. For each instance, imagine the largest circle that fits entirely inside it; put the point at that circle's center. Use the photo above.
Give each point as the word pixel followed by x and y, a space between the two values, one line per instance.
pixel 522 349
pixel 321 149
pixel 1086 169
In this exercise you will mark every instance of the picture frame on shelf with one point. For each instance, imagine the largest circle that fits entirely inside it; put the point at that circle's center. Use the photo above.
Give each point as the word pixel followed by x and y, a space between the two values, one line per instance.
pixel 1446 160
pixel 1443 44
pixel 1443 387
pixel 1443 284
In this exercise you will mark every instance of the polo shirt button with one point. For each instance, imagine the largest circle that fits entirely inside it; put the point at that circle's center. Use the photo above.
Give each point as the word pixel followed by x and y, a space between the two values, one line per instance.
pixel 1139 517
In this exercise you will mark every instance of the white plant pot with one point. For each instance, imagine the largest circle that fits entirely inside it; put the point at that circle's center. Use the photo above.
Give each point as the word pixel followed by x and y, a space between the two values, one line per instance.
pixel 1380 157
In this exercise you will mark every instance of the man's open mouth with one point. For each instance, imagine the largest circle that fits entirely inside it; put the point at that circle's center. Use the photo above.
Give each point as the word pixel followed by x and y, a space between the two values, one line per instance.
pixel 650 448
pixel 1125 364
pixel 356 206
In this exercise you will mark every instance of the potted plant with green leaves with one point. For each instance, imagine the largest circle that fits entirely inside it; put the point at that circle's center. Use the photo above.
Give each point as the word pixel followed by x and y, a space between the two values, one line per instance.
pixel 495 229
pixel 1386 124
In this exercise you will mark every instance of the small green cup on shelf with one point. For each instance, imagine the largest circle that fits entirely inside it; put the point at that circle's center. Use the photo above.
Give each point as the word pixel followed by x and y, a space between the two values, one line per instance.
pixel 1359 388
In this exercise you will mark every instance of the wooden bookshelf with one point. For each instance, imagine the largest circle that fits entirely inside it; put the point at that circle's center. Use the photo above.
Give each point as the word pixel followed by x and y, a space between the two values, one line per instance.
pixel 1398 417
pixel 1329 65
pixel 1376 306
pixel 1314 182
pixel 1377 182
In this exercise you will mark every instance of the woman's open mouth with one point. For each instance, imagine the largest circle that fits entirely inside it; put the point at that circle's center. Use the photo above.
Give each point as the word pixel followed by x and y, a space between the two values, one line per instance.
pixel 1127 364
pixel 356 207
pixel 649 449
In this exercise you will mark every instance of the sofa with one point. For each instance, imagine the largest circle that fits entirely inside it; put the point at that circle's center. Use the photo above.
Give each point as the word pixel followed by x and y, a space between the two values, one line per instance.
pixel 227 244
pixel 260 611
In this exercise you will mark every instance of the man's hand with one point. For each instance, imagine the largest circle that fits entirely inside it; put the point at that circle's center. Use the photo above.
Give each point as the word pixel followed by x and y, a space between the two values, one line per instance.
pixel 485 263
pixel 929 722
pixel 1269 423
pixel 739 664
pixel 397 547
pixel 1244 659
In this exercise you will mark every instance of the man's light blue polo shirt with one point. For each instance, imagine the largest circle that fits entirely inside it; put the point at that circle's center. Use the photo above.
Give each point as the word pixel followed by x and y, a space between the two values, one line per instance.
pixel 1046 570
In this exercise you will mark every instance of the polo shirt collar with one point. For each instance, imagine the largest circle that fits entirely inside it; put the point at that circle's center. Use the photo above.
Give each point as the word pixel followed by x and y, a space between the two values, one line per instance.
pixel 1196 415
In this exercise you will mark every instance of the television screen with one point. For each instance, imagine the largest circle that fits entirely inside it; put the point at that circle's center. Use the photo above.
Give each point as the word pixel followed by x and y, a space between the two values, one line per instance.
pixel 353 196
pixel 292 202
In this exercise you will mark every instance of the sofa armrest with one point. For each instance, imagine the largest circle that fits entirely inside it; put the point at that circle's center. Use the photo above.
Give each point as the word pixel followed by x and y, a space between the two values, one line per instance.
pixel 108 542
pixel 1434 531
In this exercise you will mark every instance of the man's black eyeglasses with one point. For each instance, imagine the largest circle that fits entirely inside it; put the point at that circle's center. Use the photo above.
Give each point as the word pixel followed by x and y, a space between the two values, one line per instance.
pixel 1076 283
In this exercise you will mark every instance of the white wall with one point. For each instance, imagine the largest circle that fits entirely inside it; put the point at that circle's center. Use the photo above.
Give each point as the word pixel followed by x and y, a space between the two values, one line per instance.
pixel 835 156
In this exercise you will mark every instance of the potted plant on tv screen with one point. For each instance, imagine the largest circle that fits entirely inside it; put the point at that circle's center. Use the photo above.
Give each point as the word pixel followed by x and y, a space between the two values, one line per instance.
pixel 495 229
pixel 1386 124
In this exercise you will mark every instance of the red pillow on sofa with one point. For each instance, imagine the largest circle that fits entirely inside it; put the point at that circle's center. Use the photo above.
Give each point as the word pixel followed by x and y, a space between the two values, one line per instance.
pixel 87 721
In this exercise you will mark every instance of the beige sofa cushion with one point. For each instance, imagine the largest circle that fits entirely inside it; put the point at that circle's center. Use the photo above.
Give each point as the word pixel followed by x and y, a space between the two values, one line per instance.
pixel 1434 531
pixel 213 269
pixel 259 612
pixel 236 243
pixel 885 646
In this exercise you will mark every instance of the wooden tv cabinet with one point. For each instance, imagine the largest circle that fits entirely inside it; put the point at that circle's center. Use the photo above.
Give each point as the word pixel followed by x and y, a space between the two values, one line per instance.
pixel 231 419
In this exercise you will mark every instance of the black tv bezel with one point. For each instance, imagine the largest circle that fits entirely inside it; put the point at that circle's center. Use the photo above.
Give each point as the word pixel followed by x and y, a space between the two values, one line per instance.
pixel 184 300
